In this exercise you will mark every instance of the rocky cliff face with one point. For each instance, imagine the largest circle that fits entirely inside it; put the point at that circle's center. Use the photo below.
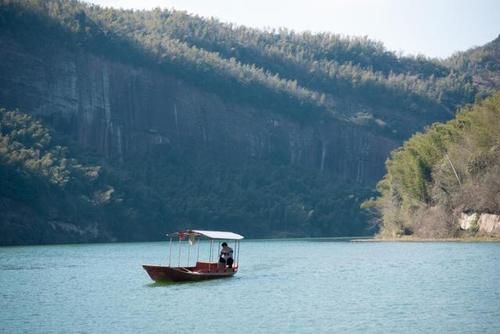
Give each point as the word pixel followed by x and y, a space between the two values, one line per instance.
pixel 133 116
pixel 121 110
pixel 484 223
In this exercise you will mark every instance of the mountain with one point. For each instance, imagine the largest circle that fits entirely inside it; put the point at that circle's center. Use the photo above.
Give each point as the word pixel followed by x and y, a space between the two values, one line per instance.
pixel 481 64
pixel 191 122
pixel 440 177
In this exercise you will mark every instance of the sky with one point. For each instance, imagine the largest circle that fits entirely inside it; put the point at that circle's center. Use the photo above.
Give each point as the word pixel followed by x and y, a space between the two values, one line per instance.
pixel 434 28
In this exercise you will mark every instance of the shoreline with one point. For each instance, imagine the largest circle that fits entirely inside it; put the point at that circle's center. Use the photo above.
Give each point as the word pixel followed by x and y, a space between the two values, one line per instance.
pixel 413 239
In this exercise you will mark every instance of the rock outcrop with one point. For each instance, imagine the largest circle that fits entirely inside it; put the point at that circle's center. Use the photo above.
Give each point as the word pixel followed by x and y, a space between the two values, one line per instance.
pixel 484 223
pixel 467 221
pixel 489 224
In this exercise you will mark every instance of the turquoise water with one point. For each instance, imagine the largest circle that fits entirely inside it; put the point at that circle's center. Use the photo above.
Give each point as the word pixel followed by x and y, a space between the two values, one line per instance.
pixel 299 286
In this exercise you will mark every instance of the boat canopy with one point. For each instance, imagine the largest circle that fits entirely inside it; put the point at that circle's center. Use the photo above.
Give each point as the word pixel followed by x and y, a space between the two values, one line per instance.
pixel 211 234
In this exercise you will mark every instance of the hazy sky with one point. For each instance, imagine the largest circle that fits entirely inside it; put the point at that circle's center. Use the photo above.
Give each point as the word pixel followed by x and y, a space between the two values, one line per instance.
pixel 435 28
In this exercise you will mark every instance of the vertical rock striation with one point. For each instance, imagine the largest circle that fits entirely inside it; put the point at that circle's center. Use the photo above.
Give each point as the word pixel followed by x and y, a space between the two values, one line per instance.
pixel 121 110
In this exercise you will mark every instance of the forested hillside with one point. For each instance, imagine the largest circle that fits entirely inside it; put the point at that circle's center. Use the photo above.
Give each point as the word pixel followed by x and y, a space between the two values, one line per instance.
pixel 191 122
pixel 49 196
pixel 437 175
pixel 354 79
pixel 481 64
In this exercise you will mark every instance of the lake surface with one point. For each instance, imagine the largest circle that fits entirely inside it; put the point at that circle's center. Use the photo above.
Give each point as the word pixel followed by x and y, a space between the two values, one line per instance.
pixel 293 286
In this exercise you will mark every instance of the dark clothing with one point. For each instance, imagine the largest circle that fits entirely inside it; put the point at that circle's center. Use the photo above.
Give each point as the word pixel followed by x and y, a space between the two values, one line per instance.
pixel 226 256
pixel 228 262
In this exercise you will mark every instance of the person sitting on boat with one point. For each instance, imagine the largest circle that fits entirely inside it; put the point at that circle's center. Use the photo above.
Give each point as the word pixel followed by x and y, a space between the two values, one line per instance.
pixel 226 255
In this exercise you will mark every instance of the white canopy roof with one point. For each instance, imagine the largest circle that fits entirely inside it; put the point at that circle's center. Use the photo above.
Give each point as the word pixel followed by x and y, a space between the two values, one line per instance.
pixel 218 234
pixel 210 234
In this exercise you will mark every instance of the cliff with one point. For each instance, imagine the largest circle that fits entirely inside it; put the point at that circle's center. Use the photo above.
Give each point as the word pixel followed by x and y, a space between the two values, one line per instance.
pixel 130 113
pixel 120 111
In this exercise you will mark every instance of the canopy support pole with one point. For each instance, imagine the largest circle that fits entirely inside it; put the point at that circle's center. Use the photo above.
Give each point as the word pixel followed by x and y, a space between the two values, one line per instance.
pixel 179 262
pixel 198 252
pixel 210 258
pixel 238 253
pixel 170 253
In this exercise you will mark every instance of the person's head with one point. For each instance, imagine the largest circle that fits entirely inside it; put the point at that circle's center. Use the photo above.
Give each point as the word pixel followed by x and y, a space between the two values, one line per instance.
pixel 224 244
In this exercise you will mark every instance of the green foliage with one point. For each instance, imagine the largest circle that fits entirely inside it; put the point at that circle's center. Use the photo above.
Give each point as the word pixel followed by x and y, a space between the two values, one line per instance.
pixel 259 199
pixel 303 75
pixel 27 145
pixel 158 192
pixel 46 195
pixel 452 167
pixel 481 63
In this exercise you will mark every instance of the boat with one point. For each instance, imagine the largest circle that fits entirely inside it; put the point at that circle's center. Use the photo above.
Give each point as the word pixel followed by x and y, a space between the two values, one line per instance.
pixel 196 269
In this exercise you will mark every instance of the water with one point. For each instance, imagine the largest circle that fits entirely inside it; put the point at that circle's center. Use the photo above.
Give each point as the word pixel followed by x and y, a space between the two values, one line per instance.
pixel 299 286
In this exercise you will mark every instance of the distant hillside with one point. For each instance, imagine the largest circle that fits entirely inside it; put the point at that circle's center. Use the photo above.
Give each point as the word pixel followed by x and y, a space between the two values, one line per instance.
pixel 437 175
pixel 196 123
pixel 481 64
pixel 300 75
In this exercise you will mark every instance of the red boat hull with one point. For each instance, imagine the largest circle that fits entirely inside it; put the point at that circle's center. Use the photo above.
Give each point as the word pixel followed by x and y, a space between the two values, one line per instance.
pixel 202 271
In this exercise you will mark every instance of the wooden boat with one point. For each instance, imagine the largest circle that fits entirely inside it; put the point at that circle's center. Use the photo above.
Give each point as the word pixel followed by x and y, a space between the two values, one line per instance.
pixel 201 270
